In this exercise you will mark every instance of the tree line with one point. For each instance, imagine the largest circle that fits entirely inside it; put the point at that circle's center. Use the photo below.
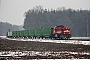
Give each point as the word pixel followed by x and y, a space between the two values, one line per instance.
pixel 4 28
pixel 77 20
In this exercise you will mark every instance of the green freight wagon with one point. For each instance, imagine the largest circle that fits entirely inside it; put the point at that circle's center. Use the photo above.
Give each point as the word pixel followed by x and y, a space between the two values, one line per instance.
pixel 38 32
pixel 14 33
pixel 47 32
pixel 26 33
pixel 21 33
pixel 18 33
pixel 31 33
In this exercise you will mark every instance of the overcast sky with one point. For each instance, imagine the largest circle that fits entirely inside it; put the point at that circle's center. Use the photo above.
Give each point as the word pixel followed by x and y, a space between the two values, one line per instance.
pixel 12 11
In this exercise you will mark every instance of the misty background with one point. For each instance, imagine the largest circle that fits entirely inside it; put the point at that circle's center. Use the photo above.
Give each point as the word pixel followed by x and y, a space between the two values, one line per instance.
pixel 77 20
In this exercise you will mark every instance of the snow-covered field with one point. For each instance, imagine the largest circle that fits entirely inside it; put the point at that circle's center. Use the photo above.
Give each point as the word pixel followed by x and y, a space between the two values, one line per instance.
pixel 36 53
pixel 69 54
pixel 75 41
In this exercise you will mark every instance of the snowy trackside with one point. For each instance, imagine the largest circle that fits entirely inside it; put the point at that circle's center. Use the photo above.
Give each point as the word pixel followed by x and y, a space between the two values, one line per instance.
pixel 2 36
pixel 70 38
pixel 54 41
pixel 85 38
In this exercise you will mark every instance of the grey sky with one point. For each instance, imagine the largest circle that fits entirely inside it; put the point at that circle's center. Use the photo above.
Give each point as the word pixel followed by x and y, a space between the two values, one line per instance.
pixel 12 11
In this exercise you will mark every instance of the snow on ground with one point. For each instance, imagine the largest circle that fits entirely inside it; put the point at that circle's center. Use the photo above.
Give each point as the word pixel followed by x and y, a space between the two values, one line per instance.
pixel 80 38
pixel 19 54
pixel 2 36
pixel 45 53
pixel 54 41
pixel 35 53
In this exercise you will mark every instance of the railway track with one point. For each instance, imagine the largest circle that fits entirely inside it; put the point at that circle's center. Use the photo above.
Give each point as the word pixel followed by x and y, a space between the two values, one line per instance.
pixel 73 40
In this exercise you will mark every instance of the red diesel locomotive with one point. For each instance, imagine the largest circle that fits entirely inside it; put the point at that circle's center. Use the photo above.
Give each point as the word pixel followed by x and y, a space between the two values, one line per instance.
pixel 61 32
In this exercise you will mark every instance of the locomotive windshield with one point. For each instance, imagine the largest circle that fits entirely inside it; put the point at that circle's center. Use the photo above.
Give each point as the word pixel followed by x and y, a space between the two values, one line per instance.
pixel 59 26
